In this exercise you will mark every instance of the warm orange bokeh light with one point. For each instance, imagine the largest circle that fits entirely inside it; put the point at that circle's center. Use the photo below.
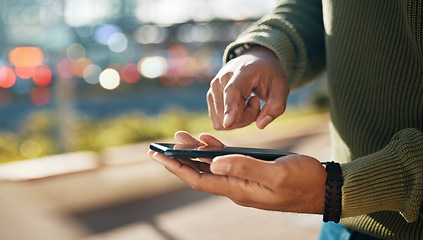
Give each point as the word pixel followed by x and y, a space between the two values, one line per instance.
pixel 80 65
pixel 7 77
pixel 26 57
pixel 42 76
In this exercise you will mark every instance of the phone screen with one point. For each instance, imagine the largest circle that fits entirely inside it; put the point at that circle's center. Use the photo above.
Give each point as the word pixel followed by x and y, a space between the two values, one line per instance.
pixel 193 151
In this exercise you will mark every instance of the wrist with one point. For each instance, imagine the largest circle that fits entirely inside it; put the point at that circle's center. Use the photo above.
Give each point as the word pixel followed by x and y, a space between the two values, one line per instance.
pixel 250 48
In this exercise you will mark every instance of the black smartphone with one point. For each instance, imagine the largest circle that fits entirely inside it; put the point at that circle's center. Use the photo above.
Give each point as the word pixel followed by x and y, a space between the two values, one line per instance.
pixel 192 151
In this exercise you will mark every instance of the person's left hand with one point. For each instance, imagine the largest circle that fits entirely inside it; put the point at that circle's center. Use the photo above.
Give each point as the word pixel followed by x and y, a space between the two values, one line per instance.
pixel 294 183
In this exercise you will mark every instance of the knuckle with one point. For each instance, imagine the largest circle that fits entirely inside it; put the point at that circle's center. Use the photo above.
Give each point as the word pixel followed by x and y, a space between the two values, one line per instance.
pixel 244 172
pixel 225 77
pixel 196 187
pixel 233 90
pixel 279 181
pixel 209 95
pixel 218 127
pixel 278 107
pixel 215 83
pixel 239 199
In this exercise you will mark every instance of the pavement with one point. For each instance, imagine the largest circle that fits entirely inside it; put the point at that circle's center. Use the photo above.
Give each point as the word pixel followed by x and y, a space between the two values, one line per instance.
pixel 123 196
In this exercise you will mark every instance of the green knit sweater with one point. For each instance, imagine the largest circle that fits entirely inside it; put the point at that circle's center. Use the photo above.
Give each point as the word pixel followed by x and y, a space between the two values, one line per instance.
pixel 373 54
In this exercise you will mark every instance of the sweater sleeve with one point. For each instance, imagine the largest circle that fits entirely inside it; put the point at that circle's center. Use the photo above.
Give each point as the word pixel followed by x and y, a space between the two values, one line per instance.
pixel 294 32
pixel 388 180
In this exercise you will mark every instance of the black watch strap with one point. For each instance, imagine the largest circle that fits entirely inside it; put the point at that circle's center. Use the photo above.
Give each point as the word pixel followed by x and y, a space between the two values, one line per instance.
pixel 238 50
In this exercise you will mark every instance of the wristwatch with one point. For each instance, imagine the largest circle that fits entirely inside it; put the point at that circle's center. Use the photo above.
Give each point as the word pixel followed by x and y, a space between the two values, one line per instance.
pixel 238 50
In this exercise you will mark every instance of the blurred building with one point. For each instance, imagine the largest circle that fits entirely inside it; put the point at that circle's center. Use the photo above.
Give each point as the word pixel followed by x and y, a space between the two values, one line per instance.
pixel 172 41
pixel 102 58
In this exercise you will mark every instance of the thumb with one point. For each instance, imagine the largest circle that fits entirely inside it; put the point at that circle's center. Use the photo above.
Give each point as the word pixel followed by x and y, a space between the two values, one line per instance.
pixel 244 167
pixel 274 107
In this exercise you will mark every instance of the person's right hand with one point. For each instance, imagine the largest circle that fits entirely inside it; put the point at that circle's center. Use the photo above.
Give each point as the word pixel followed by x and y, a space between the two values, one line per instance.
pixel 256 71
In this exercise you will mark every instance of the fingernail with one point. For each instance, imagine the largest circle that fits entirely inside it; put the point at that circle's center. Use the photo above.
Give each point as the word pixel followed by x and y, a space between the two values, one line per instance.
pixel 264 121
pixel 157 158
pixel 220 167
pixel 226 120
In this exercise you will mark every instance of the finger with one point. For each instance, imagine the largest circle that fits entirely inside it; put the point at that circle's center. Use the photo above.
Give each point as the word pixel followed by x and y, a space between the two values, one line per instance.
pixel 274 107
pixel 210 140
pixel 150 153
pixel 186 138
pixel 199 166
pixel 200 181
pixel 232 98
pixel 217 87
pixel 251 111
pixel 212 111
pixel 247 168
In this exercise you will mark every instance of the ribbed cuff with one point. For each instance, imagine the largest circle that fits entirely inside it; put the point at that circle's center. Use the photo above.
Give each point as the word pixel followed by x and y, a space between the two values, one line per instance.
pixel 388 180
pixel 284 42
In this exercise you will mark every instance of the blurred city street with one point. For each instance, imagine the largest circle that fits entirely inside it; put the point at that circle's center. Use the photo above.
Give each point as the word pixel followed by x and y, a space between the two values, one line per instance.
pixel 132 197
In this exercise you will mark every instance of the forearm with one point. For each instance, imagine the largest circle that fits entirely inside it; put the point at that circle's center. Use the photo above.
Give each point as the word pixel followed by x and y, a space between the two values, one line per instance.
pixel 388 180
pixel 294 33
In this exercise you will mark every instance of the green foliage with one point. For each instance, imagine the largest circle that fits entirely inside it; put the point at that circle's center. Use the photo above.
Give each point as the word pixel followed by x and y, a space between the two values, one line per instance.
pixel 38 135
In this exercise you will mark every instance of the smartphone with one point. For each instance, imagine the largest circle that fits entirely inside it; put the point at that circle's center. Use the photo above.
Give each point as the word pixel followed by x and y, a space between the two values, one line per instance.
pixel 192 151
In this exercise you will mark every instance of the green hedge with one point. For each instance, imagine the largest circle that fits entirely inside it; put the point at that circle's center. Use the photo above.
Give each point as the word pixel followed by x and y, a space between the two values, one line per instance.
pixel 39 135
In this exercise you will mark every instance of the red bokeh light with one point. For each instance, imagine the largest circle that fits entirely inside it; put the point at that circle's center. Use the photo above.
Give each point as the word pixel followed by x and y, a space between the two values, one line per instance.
pixel 65 69
pixel 7 77
pixel 42 76
pixel 166 81
pixel 40 96
pixel 25 72
pixel 129 73
pixel 185 81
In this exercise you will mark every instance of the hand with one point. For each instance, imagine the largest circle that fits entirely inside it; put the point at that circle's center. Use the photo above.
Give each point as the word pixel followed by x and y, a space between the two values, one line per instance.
pixel 293 183
pixel 256 71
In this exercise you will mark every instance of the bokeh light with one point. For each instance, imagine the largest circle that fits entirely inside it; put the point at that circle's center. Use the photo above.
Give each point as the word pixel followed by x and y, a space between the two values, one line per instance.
pixel 109 79
pixel 152 67
pixel 92 74
pixel 42 76
pixel 84 12
pixel 75 52
pixel 151 34
pixel 25 72
pixel 30 149
pixel 65 69
pixel 40 96
pixel 79 66
pixel 26 57
pixel 117 42
pixel 103 32
pixel 7 77
pixel 129 73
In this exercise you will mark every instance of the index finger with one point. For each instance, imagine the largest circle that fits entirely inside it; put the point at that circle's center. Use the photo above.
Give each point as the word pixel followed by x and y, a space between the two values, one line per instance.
pixel 231 99
pixel 204 181
pixel 186 138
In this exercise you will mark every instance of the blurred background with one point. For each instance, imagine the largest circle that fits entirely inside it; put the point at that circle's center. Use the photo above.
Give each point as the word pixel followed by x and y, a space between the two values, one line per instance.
pixel 68 65
pixel 85 85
